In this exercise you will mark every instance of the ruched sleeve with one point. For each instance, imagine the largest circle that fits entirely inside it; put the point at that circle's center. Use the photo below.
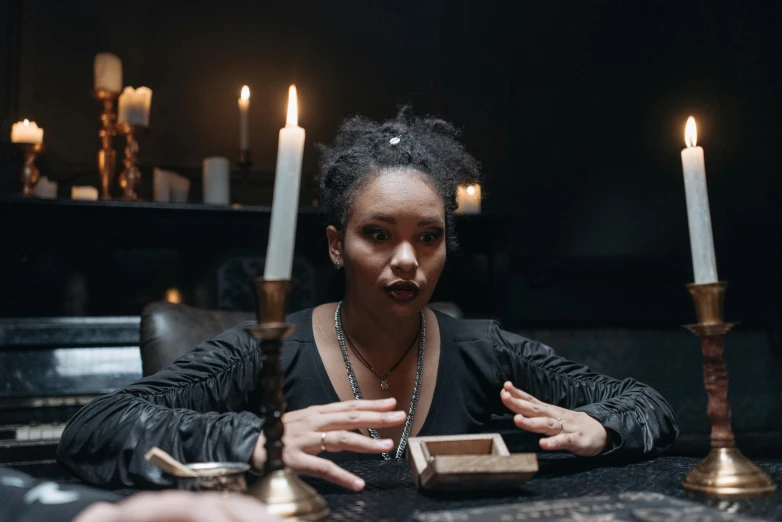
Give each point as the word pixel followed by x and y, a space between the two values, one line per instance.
pixel 638 418
pixel 199 409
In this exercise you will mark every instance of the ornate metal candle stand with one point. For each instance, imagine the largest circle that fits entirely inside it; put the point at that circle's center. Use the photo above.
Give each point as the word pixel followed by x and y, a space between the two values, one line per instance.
pixel 30 172
pixel 107 156
pixel 283 492
pixel 725 472
pixel 131 176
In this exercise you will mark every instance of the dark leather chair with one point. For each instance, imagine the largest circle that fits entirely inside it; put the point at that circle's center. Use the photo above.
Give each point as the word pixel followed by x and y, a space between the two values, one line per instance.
pixel 169 331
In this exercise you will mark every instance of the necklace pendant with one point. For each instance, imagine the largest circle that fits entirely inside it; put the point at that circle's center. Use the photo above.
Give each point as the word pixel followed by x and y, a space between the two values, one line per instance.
pixel 384 384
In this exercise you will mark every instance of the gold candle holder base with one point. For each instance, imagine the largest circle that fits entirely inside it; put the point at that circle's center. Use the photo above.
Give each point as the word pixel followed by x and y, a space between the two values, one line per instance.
pixel 131 176
pixel 107 156
pixel 287 496
pixel 30 174
pixel 725 472
pixel 283 492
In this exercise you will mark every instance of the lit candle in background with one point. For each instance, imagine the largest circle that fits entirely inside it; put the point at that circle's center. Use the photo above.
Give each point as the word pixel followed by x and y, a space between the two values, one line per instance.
pixel 468 197
pixel 173 295
pixel 134 105
pixel 86 193
pixel 285 206
pixel 108 72
pixel 244 110
pixel 26 132
pixel 704 262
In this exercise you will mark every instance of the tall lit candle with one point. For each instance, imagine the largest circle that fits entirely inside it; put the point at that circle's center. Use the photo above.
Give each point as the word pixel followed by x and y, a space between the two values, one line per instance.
pixel 704 262
pixel 244 110
pixel 134 106
pixel 26 132
pixel 468 199
pixel 285 206
pixel 108 72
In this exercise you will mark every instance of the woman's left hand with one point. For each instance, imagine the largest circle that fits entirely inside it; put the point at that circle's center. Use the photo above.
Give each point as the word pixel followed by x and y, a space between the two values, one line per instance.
pixel 566 430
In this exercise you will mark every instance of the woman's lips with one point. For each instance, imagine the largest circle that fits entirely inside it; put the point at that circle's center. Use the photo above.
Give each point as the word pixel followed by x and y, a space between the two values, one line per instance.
pixel 402 292
pixel 402 295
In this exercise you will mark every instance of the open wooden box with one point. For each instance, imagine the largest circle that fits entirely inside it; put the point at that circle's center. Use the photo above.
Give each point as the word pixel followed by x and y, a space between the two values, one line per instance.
pixel 460 462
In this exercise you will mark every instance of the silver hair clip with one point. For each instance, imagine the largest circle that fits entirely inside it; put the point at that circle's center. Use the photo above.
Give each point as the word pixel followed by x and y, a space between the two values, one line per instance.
pixel 395 140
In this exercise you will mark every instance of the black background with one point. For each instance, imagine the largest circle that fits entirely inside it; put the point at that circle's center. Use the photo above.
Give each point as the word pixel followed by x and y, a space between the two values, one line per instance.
pixel 575 109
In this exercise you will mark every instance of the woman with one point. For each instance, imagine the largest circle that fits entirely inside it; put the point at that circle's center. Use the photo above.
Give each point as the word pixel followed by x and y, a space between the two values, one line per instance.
pixel 389 192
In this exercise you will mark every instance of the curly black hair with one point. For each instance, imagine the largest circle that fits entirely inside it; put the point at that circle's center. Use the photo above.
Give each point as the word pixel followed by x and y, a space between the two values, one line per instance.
pixel 364 148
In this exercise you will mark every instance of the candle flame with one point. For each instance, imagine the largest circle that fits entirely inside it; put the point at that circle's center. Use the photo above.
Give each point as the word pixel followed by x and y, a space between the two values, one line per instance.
pixel 471 190
pixel 690 133
pixel 245 93
pixel 173 295
pixel 293 108
pixel 26 122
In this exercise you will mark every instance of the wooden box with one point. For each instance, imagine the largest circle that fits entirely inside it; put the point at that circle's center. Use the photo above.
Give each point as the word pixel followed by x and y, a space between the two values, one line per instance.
pixel 467 462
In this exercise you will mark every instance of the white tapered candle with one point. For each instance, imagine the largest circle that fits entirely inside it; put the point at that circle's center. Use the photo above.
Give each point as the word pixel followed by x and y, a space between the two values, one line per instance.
pixel 704 262
pixel 285 206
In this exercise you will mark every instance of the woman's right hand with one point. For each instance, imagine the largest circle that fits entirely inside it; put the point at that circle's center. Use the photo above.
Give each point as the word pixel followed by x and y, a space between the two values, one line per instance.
pixel 304 431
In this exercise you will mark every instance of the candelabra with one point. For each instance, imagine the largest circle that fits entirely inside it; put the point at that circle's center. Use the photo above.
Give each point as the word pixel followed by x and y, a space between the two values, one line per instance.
pixel 107 156
pixel 30 172
pixel 131 176
pixel 725 472
pixel 283 492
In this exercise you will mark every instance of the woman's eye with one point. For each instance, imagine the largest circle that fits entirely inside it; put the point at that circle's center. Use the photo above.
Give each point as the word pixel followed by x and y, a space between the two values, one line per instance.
pixel 430 237
pixel 379 235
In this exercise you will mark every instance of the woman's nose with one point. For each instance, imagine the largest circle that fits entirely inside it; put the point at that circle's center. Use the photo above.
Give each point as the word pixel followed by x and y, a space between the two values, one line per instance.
pixel 404 258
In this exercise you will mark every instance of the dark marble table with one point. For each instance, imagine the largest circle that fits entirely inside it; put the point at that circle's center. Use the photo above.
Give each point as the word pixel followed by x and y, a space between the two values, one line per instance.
pixel 390 494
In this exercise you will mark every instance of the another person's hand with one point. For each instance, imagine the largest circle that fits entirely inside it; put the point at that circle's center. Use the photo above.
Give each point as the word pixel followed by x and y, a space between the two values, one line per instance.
pixel 179 506
pixel 564 429
pixel 304 437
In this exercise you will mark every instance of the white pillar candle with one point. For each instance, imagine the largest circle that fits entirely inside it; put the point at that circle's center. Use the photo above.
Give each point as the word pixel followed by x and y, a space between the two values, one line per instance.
pixel 244 110
pixel 86 192
pixel 704 262
pixel 285 206
pixel 217 181
pixel 26 132
pixel 134 105
pixel 468 197
pixel 108 72
pixel 180 188
pixel 161 185
pixel 45 188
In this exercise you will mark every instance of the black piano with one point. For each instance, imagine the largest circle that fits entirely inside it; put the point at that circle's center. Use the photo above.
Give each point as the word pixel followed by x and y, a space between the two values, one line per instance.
pixel 51 367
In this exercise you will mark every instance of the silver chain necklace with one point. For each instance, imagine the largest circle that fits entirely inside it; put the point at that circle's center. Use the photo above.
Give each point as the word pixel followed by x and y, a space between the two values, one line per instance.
pixel 357 392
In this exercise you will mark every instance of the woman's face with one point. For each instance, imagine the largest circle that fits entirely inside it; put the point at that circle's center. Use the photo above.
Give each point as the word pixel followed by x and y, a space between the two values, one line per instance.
pixel 393 246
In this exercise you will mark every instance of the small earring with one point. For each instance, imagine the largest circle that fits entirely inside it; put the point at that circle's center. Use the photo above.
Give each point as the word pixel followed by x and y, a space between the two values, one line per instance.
pixel 337 265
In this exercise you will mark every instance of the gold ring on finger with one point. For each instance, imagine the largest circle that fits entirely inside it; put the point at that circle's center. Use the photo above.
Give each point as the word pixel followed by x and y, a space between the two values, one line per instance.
pixel 323 441
pixel 561 426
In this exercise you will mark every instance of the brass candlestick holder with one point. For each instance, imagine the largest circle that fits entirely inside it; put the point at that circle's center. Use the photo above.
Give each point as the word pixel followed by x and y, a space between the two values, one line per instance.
pixel 131 176
pixel 245 163
pixel 107 156
pixel 30 174
pixel 725 472
pixel 283 492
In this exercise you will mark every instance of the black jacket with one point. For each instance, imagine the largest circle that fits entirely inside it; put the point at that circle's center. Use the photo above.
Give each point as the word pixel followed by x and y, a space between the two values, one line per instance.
pixel 204 407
